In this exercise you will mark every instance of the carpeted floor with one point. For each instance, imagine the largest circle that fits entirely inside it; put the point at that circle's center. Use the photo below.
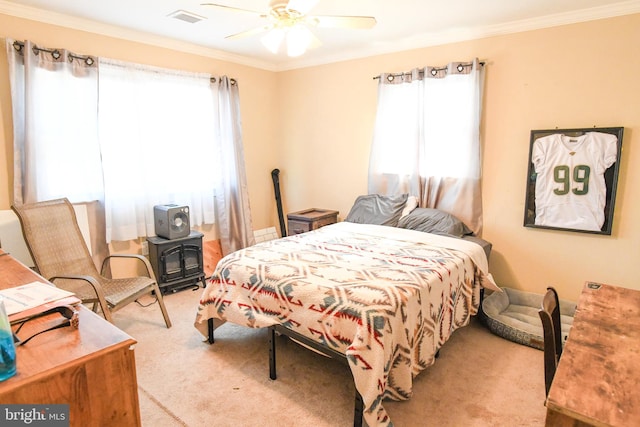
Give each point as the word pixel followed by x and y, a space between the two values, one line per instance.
pixel 478 380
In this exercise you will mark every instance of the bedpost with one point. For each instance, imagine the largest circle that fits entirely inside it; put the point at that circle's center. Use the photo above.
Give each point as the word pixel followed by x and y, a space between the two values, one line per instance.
pixel 358 411
pixel 272 352
pixel 275 176
pixel 210 330
pixel 482 316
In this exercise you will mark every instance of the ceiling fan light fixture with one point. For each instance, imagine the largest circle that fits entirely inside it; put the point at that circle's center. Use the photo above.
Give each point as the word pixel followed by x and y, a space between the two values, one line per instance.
pixel 272 40
pixel 299 39
pixel 288 24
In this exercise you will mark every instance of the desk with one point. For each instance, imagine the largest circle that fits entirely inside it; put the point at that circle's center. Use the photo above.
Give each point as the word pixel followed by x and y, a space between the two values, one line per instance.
pixel 598 378
pixel 91 368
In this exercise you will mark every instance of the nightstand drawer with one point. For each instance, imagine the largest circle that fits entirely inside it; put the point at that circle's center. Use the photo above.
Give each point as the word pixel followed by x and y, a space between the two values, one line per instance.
pixel 310 219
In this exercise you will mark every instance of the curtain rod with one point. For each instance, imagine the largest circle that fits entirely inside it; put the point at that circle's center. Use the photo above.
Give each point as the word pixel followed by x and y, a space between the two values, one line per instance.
pixel 18 46
pixel 434 70
pixel 55 53
pixel 231 80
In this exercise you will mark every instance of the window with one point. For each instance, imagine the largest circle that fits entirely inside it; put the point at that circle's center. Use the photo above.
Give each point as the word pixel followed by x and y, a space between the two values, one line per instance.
pixel 132 136
pixel 426 139
pixel 157 136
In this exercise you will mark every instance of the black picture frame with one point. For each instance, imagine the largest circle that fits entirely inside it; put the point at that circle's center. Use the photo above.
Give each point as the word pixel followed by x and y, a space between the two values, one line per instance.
pixel 568 182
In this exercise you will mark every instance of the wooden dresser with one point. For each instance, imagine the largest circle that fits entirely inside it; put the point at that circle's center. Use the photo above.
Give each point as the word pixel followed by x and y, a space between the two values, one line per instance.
pixel 310 219
pixel 596 382
pixel 92 368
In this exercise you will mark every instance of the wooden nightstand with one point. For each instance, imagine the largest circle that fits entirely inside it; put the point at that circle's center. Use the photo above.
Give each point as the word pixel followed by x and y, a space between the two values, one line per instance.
pixel 310 219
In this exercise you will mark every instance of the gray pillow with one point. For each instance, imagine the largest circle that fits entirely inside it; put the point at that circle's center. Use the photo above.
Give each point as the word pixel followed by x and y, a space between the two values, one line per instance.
pixel 377 209
pixel 434 221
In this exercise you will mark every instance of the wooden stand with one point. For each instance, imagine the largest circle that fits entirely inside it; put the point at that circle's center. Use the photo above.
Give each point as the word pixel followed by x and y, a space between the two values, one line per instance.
pixel 310 219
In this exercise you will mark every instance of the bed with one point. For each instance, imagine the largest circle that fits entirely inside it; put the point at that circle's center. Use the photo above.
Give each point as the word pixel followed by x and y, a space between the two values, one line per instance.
pixel 386 297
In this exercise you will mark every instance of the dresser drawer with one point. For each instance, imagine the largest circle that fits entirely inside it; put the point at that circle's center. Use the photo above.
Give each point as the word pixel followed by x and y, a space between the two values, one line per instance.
pixel 310 219
pixel 297 227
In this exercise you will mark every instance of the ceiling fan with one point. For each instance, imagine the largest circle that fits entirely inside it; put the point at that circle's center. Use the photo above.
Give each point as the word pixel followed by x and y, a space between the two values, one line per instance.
pixel 289 22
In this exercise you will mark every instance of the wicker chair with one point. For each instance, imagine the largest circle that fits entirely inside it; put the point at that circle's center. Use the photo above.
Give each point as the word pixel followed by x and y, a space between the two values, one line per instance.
pixel 60 254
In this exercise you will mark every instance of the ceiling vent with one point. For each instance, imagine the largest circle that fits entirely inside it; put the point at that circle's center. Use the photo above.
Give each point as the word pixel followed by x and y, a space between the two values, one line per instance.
pixel 185 16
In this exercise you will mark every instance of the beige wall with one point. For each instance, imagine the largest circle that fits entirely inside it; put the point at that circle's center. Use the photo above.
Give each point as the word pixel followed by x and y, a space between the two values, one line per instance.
pixel 315 125
pixel 580 75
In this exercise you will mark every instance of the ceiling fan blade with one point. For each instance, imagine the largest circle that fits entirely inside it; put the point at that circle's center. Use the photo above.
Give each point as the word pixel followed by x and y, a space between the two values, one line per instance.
pixel 302 6
pixel 235 9
pixel 357 22
pixel 249 33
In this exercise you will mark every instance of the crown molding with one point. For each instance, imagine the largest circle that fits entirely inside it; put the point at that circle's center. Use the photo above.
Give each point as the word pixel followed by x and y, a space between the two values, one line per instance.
pixel 629 7
pixel 415 42
pixel 67 21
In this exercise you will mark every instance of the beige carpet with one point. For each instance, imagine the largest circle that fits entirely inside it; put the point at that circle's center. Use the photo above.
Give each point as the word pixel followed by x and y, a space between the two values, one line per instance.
pixel 478 380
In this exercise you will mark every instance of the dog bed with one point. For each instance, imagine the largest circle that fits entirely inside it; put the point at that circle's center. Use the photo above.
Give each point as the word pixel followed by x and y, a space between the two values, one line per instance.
pixel 513 315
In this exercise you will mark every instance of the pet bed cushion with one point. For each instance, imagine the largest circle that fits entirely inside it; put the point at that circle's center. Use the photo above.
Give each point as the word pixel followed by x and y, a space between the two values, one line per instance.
pixel 513 314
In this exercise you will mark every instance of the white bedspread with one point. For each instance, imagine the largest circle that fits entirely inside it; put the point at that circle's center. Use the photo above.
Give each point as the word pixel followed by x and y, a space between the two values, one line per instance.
pixel 385 297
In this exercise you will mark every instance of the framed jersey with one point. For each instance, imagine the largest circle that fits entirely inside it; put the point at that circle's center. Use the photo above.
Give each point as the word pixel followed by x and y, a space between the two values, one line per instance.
pixel 572 179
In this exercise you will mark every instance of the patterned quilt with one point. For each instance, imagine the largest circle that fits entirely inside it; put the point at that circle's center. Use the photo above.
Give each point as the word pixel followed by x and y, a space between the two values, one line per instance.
pixel 387 298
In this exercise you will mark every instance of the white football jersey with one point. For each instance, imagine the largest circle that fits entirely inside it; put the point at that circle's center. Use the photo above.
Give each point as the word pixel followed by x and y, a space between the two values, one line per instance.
pixel 570 186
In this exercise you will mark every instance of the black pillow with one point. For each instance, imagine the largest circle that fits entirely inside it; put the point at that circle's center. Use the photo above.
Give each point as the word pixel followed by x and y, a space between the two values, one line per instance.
pixel 377 209
pixel 434 221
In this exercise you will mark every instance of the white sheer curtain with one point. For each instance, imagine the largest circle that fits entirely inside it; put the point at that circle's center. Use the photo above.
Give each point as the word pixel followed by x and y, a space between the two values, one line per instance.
pixel 171 136
pixel 134 136
pixel 427 139
pixel 157 133
pixel 54 99
pixel 233 213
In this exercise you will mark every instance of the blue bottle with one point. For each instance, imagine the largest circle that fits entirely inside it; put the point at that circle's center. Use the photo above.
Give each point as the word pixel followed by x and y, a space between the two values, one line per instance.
pixel 7 347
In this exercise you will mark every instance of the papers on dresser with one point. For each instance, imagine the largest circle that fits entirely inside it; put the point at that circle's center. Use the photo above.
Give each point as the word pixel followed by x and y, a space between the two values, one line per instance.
pixel 32 295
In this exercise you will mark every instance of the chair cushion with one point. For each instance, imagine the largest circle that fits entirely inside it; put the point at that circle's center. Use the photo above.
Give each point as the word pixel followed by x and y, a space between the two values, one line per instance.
pixel 126 290
pixel 513 315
